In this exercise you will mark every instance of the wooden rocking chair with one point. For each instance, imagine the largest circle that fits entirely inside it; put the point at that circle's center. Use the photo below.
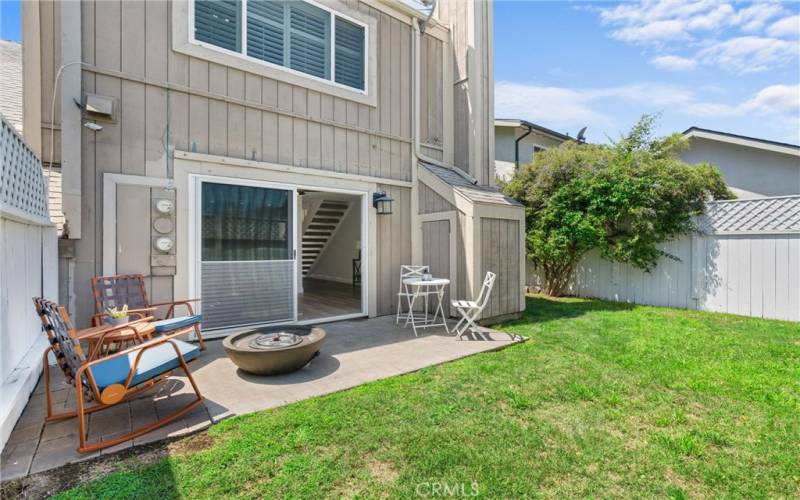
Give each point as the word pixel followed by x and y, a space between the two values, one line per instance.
pixel 128 289
pixel 102 382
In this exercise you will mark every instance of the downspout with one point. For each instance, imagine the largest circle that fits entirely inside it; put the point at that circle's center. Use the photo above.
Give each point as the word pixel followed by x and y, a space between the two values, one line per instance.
pixel 416 227
pixel 516 145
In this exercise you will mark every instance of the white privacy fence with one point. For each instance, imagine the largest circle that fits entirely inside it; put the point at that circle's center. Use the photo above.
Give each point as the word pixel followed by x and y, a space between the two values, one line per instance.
pixel 744 260
pixel 28 268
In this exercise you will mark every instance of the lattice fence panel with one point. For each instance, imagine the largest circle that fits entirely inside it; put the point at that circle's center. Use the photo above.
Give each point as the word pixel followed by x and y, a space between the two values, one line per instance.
pixel 765 215
pixel 23 191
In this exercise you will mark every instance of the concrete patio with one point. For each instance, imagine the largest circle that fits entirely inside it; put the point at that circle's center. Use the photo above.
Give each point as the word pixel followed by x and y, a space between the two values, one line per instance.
pixel 355 352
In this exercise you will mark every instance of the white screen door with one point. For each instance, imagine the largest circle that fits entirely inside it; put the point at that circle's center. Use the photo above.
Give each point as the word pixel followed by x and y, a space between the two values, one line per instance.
pixel 247 255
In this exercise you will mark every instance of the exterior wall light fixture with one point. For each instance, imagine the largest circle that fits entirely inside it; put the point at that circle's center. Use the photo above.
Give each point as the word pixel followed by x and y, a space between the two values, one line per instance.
pixel 382 203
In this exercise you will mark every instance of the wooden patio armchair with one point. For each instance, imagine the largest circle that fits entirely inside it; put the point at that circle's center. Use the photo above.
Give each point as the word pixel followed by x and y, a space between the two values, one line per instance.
pixel 128 289
pixel 103 382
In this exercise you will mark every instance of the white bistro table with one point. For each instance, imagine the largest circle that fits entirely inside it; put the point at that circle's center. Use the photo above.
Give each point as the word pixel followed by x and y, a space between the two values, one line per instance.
pixel 426 288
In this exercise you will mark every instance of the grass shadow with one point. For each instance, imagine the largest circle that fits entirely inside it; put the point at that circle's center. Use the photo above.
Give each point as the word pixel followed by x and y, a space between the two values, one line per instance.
pixel 543 309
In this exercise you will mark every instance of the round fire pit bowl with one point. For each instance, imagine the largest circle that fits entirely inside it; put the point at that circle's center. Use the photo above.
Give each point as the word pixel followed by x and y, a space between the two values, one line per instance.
pixel 274 349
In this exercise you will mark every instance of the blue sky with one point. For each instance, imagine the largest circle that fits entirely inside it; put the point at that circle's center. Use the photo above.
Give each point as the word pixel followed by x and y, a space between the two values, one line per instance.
pixel 731 66
pixel 10 25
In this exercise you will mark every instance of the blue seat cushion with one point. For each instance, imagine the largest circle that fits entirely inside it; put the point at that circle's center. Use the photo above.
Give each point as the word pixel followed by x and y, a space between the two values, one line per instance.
pixel 168 325
pixel 155 361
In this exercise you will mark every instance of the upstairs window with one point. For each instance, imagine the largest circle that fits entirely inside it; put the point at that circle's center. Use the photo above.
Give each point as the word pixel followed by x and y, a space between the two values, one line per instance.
pixel 297 35
pixel 217 22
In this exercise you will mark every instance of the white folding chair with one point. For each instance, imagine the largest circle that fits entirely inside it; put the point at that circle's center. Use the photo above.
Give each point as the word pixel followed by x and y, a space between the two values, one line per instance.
pixel 471 309
pixel 407 271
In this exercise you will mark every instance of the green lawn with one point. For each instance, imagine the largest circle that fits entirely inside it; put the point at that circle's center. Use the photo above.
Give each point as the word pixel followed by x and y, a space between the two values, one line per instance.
pixel 603 400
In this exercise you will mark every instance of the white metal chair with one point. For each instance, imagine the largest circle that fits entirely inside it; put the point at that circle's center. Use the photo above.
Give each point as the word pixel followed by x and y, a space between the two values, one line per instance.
pixel 407 271
pixel 471 309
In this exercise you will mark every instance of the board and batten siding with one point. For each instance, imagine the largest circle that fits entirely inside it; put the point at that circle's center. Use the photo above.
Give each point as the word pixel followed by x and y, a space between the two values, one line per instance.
pixel 431 123
pixel 473 85
pixel 393 248
pixel 436 253
pixel 431 202
pixel 500 247
pixel 750 275
pixel 225 111
pixel 222 110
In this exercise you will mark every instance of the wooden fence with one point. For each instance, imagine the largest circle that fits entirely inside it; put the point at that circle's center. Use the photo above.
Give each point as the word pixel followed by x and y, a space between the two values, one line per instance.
pixel 745 259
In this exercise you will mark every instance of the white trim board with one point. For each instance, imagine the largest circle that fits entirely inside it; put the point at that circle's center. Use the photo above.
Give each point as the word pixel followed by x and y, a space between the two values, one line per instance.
pixel 300 171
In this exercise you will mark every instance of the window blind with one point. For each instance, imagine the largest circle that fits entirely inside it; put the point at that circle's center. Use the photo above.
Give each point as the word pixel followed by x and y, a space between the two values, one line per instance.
pixel 349 54
pixel 291 33
pixel 265 30
pixel 308 39
pixel 217 22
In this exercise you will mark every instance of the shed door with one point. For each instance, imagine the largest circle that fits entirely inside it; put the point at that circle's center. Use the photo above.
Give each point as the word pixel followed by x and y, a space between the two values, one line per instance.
pixel 438 249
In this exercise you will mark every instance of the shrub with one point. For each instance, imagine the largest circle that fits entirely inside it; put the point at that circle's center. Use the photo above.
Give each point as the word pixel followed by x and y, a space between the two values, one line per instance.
pixel 623 199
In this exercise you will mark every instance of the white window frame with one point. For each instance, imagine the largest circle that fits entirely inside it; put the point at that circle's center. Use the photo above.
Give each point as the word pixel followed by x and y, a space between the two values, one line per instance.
pixel 333 15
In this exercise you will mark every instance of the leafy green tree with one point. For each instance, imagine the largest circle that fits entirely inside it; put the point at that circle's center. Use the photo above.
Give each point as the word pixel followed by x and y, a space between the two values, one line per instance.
pixel 623 199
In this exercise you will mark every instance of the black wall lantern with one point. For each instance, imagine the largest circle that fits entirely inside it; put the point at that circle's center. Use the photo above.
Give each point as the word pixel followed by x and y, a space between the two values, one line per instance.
pixel 382 203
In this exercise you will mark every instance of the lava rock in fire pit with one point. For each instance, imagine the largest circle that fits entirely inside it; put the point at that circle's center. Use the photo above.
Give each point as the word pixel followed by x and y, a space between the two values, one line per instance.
pixel 274 349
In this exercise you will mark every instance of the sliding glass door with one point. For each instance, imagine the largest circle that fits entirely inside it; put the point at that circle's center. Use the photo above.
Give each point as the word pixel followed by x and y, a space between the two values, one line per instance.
pixel 247 255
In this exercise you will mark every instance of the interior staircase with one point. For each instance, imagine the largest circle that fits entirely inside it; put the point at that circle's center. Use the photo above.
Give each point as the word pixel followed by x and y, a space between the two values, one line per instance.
pixel 319 230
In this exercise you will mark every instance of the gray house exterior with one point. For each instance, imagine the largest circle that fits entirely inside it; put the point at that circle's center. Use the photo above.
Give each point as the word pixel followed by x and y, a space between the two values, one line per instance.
pixel 178 106
pixel 517 141
pixel 752 168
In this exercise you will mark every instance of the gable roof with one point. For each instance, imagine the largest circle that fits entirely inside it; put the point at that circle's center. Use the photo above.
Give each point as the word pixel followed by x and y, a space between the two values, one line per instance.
pixel 517 122
pixel 743 140
pixel 474 193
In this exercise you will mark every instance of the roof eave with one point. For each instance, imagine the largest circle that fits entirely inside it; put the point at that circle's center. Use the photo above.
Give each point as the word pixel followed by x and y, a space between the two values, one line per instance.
pixel 406 9
pixel 516 122
pixel 740 140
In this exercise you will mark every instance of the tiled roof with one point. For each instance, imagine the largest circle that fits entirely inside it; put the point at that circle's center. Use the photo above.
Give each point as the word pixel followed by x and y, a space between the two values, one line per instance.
pixel 477 194
pixel 11 82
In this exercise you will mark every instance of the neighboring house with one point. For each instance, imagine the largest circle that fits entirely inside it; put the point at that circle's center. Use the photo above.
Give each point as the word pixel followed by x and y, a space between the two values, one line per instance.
pixel 517 141
pixel 240 163
pixel 11 82
pixel 753 168
pixel 11 108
